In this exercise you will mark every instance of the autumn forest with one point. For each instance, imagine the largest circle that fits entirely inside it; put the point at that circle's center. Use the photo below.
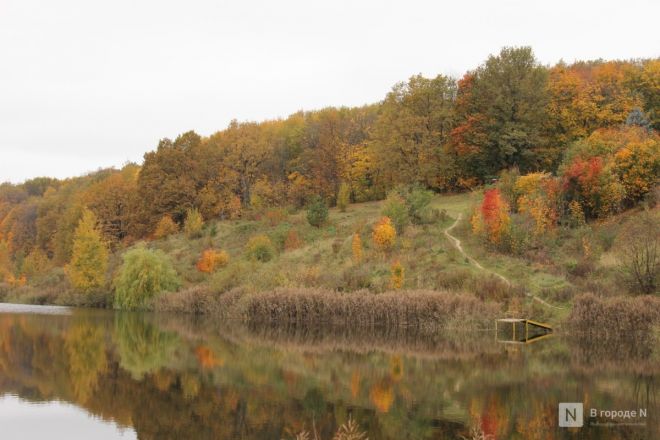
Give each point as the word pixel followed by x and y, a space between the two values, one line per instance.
pixel 527 152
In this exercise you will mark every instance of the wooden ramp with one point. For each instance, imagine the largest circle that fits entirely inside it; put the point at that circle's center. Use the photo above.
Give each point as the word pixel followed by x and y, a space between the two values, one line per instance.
pixel 521 330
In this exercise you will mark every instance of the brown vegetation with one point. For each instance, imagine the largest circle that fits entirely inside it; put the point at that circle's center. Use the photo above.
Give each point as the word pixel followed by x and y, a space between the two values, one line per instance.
pixel 615 317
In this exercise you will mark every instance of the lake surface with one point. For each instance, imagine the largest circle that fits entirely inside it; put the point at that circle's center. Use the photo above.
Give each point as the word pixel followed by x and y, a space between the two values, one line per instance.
pixel 81 374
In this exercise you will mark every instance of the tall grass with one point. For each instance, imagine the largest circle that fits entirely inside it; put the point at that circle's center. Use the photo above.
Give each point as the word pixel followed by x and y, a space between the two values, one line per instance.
pixel 420 310
pixel 619 316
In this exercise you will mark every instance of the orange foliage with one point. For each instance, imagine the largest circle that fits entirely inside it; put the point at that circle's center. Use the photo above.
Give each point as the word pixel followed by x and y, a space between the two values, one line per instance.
pixel 206 358
pixel 495 215
pixel 382 395
pixel 355 384
pixel 210 260
pixel 292 241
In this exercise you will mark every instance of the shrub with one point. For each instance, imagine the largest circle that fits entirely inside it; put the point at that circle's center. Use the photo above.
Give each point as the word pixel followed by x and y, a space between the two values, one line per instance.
pixel 210 260
pixel 260 248
pixel 639 251
pixel 356 247
pixel 343 197
pixel 396 210
pixel 576 214
pixel 193 224
pixel 317 212
pixel 494 216
pixel 275 216
pixel 292 240
pixel 418 200
pixel 143 275
pixel 166 226
pixel 384 235
pixel 397 275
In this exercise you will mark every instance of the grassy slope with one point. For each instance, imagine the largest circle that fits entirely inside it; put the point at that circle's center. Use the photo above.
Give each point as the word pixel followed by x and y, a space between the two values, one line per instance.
pixel 325 259
pixel 554 272
pixel 551 272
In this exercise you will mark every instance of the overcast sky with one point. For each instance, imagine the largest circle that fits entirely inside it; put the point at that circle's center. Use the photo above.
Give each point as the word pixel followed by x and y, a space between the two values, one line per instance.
pixel 87 84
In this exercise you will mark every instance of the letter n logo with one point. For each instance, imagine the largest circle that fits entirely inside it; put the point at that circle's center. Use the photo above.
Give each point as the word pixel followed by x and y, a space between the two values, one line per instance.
pixel 570 415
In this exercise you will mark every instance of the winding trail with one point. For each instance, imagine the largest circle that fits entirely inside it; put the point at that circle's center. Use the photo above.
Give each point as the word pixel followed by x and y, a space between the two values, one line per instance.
pixel 457 244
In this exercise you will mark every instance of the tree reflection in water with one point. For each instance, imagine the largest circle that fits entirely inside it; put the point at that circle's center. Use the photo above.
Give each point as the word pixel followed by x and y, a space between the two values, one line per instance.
pixel 171 377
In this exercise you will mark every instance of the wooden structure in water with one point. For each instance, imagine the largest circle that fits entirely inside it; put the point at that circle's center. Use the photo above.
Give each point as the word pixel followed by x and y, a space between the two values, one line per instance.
pixel 523 331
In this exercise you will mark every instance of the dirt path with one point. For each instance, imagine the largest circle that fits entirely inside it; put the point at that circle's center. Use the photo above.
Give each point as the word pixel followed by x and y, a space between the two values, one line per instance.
pixel 457 244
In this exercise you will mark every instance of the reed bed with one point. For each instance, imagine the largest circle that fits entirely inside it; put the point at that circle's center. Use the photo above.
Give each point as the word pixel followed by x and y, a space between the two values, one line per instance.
pixel 422 310
pixel 619 316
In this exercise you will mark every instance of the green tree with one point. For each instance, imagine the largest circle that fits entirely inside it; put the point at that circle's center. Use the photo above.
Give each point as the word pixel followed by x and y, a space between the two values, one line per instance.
pixel 414 125
pixel 395 208
pixel 144 274
pixel 317 212
pixel 503 108
pixel 89 260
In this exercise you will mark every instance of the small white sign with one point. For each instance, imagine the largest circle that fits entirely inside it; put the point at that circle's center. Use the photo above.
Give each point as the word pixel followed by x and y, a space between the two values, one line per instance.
pixel 570 415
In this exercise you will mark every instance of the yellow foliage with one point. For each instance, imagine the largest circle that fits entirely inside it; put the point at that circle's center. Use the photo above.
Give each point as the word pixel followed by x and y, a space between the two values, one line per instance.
pixel 576 213
pixel 477 223
pixel 356 246
pixel 384 235
pixel 36 263
pixel 193 224
pixel 166 226
pixel 89 259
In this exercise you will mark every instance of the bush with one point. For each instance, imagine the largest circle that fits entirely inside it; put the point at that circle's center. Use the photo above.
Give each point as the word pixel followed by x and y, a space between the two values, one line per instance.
pixel 384 235
pixel 317 212
pixel 166 226
pixel 143 275
pixel 343 197
pixel 292 241
pixel 260 248
pixel 356 248
pixel 210 260
pixel 418 200
pixel 193 224
pixel 397 275
pixel 639 251
pixel 396 210
pixel 276 216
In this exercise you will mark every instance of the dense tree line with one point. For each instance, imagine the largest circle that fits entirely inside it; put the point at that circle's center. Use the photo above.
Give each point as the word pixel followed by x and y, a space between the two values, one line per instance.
pixel 440 133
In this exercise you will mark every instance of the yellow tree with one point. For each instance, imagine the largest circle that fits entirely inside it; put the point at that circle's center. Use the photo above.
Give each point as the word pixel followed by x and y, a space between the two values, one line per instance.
pixel 89 260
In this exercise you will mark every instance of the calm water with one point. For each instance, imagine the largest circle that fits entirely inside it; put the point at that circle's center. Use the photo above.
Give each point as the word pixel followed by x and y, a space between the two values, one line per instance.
pixel 78 374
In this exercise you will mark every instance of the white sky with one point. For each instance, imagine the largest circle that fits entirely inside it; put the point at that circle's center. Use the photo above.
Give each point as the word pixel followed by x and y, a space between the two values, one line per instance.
pixel 87 83
pixel 25 420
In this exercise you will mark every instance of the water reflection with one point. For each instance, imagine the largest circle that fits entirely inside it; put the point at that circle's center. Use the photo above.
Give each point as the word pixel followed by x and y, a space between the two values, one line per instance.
pixel 181 377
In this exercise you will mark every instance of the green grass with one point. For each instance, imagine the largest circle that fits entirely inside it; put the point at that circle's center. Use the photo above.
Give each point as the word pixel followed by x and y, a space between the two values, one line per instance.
pixel 430 261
